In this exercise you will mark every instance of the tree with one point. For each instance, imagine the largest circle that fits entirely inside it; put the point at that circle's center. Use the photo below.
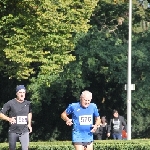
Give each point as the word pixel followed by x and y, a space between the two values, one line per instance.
pixel 38 35
pixel 38 41
pixel 86 53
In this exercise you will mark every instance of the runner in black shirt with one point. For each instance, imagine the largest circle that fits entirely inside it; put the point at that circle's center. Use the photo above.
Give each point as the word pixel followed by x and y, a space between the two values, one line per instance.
pixel 18 113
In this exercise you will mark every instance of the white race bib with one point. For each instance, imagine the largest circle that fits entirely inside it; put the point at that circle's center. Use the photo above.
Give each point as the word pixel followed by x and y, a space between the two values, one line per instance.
pixel 116 124
pixel 21 119
pixel 85 120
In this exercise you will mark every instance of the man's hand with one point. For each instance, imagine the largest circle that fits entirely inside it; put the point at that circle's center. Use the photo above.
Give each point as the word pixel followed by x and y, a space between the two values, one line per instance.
pixel 108 134
pixel 94 128
pixel 30 128
pixel 69 122
pixel 12 120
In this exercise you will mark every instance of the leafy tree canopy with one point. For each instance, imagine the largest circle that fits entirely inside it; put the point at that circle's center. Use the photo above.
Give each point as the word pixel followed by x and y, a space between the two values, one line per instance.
pixel 38 35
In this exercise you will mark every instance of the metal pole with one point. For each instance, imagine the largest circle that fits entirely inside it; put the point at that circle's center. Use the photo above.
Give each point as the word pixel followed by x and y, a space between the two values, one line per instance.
pixel 129 74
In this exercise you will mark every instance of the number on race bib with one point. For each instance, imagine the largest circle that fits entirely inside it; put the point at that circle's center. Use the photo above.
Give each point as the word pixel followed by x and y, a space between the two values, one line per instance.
pixel 85 120
pixel 21 119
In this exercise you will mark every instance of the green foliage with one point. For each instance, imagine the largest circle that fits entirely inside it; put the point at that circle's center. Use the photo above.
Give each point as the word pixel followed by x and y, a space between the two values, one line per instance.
pixel 98 145
pixel 38 35
pixel 141 96
pixel 63 23
pixel 61 51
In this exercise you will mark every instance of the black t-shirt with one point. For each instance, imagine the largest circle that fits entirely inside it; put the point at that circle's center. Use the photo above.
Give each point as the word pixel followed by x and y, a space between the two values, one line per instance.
pixel 13 108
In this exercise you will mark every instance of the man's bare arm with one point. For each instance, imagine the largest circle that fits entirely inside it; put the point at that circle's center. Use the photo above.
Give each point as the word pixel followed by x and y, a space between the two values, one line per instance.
pixel 65 117
pixel 6 118
pixel 30 122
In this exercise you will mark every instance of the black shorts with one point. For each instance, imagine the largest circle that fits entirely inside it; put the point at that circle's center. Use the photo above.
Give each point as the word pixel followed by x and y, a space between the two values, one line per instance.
pixel 85 144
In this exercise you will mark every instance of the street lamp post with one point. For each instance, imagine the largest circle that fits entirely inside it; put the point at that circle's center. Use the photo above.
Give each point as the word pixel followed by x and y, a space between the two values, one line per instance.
pixel 129 86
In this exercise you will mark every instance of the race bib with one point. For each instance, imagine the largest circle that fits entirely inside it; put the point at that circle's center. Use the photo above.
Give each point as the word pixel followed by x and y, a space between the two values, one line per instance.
pixel 85 120
pixel 116 124
pixel 21 119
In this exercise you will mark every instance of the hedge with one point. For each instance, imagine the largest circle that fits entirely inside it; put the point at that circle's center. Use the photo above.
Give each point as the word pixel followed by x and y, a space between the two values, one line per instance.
pixel 98 145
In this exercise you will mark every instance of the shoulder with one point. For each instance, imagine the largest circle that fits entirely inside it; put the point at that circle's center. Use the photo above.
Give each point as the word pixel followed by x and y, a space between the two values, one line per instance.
pixel 121 117
pixel 11 101
pixel 74 104
pixel 70 109
pixel 27 102
pixel 93 105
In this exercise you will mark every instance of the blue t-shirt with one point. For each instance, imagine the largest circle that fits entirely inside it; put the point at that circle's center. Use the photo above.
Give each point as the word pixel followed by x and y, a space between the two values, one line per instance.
pixel 82 117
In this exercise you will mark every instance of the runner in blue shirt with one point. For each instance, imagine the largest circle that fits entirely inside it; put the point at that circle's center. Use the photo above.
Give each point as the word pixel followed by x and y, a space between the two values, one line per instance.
pixel 82 119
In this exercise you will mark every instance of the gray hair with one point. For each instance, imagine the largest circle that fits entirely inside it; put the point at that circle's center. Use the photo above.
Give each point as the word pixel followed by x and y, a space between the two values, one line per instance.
pixel 86 93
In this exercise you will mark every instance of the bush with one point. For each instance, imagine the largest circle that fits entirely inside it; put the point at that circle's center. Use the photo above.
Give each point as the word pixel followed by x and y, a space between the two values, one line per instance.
pixel 98 145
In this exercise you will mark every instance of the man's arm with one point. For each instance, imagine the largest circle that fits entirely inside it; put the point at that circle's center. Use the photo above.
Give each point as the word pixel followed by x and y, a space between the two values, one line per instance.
pixel 97 123
pixel 4 117
pixel 30 122
pixel 65 117
pixel 3 112
pixel 29 119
